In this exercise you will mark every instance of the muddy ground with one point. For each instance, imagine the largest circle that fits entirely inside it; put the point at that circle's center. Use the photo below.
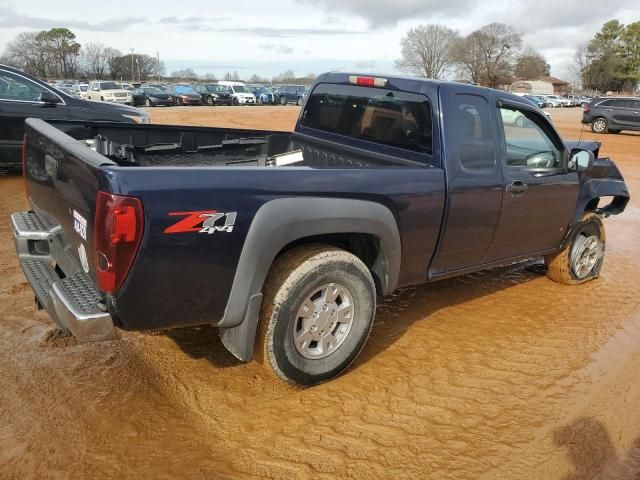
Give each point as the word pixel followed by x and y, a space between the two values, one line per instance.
pixel 501 374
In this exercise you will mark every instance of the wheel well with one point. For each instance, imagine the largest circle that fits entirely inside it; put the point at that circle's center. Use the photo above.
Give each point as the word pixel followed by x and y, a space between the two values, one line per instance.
pixel 592 205
pixel 364 246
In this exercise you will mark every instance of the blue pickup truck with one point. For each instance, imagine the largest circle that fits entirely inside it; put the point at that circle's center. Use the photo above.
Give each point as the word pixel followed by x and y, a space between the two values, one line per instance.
pixel 284 240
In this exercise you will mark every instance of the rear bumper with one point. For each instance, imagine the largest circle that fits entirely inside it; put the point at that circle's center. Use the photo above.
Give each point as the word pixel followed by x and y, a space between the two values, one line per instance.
pixel 72 301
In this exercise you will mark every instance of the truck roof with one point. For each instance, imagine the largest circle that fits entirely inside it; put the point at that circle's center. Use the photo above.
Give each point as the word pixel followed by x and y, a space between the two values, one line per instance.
pixel 412 84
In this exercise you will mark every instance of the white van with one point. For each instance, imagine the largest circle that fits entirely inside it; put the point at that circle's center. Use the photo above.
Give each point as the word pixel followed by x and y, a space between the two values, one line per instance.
pixel 240 94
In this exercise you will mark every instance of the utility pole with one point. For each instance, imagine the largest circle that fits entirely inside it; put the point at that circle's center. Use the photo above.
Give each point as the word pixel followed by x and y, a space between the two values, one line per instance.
pixel 158 65
pixel 133 72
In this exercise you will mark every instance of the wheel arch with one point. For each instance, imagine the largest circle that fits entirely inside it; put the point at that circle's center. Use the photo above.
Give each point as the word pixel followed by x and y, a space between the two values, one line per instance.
pixel 367 229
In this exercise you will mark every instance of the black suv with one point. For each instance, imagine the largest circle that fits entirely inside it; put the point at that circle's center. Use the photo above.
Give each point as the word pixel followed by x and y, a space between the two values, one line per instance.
pixel 292 94
pixel 213 94
pixel 23 96
pixel 606 114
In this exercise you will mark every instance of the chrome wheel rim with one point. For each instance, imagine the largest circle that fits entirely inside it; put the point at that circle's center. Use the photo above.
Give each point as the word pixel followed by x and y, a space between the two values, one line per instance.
pixel 323 321
pixel 587 252
pixel 599 125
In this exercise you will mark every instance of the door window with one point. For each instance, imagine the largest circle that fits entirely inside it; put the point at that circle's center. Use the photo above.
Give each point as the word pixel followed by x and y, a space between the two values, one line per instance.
pixel 16 88
pixel 473 138
pixel 528 145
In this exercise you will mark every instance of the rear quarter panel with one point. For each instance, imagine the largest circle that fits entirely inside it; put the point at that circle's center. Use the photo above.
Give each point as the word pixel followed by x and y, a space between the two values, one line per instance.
pixel 185 278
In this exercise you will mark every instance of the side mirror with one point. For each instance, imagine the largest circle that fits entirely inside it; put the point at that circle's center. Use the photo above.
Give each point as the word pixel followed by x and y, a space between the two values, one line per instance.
pixel 49 98
pixel 581 160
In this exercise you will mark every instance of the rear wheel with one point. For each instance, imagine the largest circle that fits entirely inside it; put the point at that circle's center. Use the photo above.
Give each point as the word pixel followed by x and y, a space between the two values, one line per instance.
pixel 210 101
pixel 582 258
pixel 599 125
pixel 299 102
pixel 148 103
pixel 235 101
pixel 283 101
pixel 317 314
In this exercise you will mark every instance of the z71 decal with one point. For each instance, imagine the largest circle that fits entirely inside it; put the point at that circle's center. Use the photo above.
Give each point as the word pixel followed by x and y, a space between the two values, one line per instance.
pixel 203 221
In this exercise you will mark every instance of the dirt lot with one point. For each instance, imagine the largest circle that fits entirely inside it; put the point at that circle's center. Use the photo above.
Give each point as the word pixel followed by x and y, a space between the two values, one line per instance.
pixel 502 374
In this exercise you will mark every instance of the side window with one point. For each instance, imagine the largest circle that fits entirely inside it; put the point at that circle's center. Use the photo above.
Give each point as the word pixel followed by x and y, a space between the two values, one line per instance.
pixel 529 147
pixel 473 138
pixel 14 87
pixel 606 103
pixel 96 87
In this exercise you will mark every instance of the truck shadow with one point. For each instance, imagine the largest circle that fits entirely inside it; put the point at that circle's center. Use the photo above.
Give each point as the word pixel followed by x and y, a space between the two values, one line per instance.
pixel 397 313
pixel 592 453
pixel 394 315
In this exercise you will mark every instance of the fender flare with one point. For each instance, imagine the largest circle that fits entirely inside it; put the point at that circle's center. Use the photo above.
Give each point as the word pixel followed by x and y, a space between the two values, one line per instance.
pixel 282 221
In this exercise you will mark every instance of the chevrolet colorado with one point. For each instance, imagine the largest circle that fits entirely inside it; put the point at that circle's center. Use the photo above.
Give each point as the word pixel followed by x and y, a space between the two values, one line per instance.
pixel 284 240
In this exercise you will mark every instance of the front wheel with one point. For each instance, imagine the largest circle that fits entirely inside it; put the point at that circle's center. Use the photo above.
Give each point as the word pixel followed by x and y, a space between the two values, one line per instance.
pixel 299 102
pixel 283 101
pixel 599 125
pixel 582 257
pixel 317 314
pixel 148 103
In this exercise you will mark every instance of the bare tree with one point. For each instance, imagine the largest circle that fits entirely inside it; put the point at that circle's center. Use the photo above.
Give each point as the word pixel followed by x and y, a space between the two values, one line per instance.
pixel 531 65
pixel 112 55
pixel 231 76
pixel 488 55
pixel 427 51
pixel 185 73
pixel 209 77
pixel 95 59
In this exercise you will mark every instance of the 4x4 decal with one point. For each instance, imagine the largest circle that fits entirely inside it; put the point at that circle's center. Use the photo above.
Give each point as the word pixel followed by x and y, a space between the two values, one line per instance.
pixel 203 221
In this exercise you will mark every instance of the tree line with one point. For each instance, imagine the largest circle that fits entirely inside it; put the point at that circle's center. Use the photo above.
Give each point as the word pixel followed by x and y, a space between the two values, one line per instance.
pixel 491 56
pixel 288 76
pixel 55 53
pixel 611 59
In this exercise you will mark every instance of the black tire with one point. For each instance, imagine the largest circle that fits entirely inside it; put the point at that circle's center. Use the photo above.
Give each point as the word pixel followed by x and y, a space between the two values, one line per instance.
pixel 562 266
pixel 102 99
pixel 294 277
pixel 299 101
pixel 599 125
pixel 235 101
pixel 179 101
pixel 210 101
pixel 283 101
pixel 148 103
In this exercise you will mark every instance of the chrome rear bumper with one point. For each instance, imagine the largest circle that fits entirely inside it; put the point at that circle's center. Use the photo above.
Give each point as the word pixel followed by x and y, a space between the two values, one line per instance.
pixel 72 302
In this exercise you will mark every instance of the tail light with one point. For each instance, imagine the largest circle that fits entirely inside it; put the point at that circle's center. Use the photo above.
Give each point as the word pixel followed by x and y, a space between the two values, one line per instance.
pixel 586 108
pixel 24 165
pixel 117 233
pixel 368 81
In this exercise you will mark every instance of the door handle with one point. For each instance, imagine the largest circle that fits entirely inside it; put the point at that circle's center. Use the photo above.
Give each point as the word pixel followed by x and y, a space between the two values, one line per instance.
pixel 518 187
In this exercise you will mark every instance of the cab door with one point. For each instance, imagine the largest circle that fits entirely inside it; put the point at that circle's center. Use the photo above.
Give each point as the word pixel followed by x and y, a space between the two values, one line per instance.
pixel 474 179
pixel 540 194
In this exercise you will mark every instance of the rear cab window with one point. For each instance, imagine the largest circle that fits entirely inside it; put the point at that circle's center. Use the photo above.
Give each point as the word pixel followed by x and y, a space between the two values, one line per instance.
pixel 373 116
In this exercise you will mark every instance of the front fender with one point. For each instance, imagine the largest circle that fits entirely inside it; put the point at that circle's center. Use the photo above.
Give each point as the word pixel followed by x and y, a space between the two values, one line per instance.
pixel 282 221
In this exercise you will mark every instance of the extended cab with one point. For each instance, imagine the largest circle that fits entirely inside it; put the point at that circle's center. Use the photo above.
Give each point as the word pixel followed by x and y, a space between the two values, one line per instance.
pixel 284 240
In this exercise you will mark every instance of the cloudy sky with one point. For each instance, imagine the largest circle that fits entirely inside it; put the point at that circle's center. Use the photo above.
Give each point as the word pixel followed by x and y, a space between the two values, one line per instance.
pixel 268 37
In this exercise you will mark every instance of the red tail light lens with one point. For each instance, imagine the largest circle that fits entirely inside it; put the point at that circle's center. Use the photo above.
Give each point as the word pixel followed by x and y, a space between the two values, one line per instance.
pixel 117 233
pixel 586 108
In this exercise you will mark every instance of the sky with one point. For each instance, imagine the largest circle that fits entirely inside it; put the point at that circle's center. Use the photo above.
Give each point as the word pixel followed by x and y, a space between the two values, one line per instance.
pixel 306 36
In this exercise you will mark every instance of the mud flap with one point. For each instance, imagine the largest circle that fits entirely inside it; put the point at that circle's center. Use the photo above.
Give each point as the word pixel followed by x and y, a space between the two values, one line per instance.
pixel 239 340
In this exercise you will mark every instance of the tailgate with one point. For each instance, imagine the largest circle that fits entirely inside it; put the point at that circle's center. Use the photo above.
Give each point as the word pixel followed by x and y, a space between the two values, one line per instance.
pixel 62 178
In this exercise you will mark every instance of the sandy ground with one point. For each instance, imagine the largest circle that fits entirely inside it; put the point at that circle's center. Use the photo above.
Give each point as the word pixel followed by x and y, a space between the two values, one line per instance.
pixel 501 374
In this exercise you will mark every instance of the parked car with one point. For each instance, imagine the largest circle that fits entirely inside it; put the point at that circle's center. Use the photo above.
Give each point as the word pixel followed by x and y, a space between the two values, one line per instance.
pixel 23 96
pixel 292 94
pixel 264 95
pixel 185 95
pixel 240 94
pixel 108 92
pixel 577 100
pixel 304 251
pixel 151 97
pixel 537 101
pixel 213 94
pixel 612 114
pixel 552 102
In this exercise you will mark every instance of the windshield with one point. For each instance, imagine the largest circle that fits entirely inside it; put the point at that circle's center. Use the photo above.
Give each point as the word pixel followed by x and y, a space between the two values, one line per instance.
pixel 216 88
pixel 240 89
pixel 109 86
pixel 184 89
pixel 152 90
